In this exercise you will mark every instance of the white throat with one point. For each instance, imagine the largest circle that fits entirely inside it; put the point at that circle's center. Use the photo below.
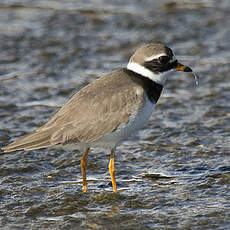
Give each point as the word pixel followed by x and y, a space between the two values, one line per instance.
pixel 137 68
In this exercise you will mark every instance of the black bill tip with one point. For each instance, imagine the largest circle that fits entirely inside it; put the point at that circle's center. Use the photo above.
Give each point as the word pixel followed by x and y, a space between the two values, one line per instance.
pixel 187 69
pixel 183 68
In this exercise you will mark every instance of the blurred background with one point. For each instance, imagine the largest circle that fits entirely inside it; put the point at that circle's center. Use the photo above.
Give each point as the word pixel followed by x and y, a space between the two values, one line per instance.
pixel 173 174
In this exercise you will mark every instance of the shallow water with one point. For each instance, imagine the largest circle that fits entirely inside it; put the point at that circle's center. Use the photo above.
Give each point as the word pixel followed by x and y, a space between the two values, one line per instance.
pixel 174 173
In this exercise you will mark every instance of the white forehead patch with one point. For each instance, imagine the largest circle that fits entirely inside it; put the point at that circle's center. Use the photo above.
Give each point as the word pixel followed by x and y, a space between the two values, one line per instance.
pixel 159 55
pixel 155 57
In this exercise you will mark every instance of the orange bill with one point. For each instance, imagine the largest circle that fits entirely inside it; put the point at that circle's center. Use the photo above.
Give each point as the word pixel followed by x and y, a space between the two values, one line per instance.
pixel 183 68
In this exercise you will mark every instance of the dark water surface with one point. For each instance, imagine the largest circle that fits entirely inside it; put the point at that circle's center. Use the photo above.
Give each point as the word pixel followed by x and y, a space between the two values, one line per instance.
pixel 174 174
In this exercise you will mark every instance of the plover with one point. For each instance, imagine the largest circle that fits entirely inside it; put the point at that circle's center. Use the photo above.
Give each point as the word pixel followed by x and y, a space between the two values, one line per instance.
pixel 108 110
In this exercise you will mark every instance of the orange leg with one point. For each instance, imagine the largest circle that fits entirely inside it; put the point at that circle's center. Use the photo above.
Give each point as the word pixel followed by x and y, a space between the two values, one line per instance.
pixel 83 169
pixel 112 172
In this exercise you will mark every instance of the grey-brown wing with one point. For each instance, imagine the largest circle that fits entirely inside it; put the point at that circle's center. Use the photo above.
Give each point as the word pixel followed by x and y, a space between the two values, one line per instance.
pixel 96 116
pixel 96 110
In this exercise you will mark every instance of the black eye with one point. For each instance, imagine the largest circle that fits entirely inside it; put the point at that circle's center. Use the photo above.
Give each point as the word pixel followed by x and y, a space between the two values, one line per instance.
pixel 163 59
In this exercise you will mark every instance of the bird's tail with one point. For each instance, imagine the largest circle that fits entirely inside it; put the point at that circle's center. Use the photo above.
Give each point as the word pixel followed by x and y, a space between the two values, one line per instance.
pixel 35 140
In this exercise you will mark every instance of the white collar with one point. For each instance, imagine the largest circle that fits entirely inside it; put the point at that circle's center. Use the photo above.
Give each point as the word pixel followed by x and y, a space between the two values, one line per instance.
pixel 137 68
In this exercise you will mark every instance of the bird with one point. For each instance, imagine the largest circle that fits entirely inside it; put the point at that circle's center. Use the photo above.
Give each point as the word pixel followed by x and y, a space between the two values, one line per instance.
pixel 107 110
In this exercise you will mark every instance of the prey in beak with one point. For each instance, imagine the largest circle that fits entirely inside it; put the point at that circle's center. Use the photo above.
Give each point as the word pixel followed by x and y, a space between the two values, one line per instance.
pixel 185 68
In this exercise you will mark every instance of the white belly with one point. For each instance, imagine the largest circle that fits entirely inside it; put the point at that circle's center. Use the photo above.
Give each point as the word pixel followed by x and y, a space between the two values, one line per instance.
pixel 136 122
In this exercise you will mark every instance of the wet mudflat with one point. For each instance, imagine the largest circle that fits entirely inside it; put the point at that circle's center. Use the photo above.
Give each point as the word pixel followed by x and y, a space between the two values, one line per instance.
pixel 174 173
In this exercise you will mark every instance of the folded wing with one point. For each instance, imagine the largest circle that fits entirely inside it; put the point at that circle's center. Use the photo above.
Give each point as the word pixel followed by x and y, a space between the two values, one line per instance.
pixel 96 110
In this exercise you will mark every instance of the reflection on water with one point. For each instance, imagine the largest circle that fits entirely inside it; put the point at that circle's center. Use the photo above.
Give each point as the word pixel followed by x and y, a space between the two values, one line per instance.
pixel 174 174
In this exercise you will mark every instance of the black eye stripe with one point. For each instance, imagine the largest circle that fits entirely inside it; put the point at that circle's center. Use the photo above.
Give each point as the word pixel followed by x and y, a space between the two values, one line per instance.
pixel 157 67
pixel 174 64
pixel 163 59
